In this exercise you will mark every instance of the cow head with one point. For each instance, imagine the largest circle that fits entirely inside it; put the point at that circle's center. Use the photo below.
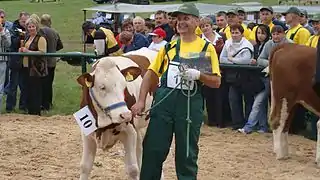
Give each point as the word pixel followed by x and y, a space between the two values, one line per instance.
pixel 104 92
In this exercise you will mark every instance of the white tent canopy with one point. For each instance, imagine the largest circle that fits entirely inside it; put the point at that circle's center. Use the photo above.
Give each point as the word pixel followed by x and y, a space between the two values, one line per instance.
pixel 203 8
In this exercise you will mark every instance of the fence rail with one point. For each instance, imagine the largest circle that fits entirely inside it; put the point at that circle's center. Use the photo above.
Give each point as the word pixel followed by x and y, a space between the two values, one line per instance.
pixel 81 59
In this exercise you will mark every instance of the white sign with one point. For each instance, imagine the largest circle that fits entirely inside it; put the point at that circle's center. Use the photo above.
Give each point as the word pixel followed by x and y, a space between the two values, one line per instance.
pixel 173 78
pixel 85 120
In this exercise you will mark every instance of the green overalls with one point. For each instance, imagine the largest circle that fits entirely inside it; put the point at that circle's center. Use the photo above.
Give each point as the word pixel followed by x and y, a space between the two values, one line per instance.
pixel 170 117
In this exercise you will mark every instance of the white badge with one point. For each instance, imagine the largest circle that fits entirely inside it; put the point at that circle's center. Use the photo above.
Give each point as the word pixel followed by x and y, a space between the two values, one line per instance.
pixel 85 120
pixel 173 78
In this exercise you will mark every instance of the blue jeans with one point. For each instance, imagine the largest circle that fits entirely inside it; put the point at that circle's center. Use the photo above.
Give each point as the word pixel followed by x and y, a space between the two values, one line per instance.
pixel 17 77
pixel 236 97
pixel 259 112
pixel 3 68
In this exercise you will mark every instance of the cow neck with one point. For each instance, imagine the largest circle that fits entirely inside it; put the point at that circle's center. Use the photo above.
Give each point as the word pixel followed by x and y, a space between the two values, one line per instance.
pixel 86 101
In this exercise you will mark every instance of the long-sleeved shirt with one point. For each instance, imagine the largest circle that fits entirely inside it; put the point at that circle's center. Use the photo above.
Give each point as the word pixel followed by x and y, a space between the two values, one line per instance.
pixel 231 48
pixel 5 42
pixel 263 59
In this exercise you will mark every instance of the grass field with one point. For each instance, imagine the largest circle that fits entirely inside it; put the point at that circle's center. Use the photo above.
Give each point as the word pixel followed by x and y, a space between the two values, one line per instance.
pixel 67 19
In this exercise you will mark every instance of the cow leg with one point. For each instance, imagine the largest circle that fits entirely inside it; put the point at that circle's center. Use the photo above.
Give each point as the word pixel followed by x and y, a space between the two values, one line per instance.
pixel 88 155
pixel 129 140
pixel 281 138
pixel 318 144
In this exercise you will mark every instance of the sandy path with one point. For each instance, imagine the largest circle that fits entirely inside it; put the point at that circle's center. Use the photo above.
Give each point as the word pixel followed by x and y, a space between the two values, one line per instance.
pixel 50 148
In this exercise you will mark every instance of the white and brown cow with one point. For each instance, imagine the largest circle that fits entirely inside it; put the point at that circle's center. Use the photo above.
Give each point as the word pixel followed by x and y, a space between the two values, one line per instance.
pixel 292 70
pixel 110 90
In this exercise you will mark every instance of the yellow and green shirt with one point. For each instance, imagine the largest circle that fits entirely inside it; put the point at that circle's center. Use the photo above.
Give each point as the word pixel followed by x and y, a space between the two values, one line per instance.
pixel 302 35
pixel 313 41
pixel 246 32
pixel 187 50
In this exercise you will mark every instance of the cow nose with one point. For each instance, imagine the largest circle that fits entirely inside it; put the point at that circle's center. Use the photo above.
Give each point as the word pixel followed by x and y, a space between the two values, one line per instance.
pixel 126 116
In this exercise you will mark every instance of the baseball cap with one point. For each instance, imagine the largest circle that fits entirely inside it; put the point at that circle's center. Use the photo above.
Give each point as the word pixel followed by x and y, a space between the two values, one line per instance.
pixel 240 9
pixel 293 10
pixel 232 11
pixel 316 17
pixel 304 13
pixel 187 8
pixel 268 8
pixel 158 32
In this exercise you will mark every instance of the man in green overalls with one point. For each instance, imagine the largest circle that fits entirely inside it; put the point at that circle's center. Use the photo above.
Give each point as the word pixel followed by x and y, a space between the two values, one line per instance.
pixel 170 115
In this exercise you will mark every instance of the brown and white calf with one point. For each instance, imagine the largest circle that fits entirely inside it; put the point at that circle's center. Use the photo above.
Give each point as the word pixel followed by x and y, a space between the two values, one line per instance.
pixel 292 69
pixel 113 82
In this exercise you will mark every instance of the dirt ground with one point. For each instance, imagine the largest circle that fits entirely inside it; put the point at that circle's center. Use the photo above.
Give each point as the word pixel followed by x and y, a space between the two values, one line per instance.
pixel 50 148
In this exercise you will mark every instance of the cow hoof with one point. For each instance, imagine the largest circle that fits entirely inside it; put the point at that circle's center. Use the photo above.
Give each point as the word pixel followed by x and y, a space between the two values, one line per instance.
pixel 281 158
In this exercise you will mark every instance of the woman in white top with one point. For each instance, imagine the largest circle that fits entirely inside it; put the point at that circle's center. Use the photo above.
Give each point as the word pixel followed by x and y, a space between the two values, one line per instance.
pixel 208 34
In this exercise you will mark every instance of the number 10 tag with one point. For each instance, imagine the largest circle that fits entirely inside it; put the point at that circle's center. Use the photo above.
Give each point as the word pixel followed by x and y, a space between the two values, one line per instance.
pixel 85 120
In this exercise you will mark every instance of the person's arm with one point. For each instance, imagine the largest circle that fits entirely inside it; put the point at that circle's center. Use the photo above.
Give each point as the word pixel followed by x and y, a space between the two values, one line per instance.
pixel 243 57
pixel 263 59
pixel 224 56
pixel 5 37
pixel 303 36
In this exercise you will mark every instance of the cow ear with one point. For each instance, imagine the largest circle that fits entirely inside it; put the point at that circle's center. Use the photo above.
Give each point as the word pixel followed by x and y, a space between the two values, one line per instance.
pixel 86 80
pixel 131 73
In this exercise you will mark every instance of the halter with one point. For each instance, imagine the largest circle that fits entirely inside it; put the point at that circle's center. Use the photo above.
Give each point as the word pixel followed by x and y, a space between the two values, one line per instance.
pixel 107 109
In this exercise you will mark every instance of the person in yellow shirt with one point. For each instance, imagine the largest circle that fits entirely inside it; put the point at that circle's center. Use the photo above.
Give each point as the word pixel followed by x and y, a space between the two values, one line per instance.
pixel 266 15
pixel 313 40
pixel 297 33
pixel 169 116
pixel 232 18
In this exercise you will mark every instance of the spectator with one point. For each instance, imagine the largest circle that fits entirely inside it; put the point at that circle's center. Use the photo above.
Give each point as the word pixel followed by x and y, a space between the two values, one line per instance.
pixel 127 25
pixel 260 86
pixel 213 96
pixel 54 44
pixel 299 35
pixel 18 74
pixel 304 21
pixel 221 19
pixel 5 42
pixel 162 22
pixel 241 14
pixel 132 41
pixel 233 18
pixel 7 24
pixel 37 66
pixel 210 35
pixel 266 16
pixel 139 25
pixel 93 32
pixel 238 50
pixel 158 36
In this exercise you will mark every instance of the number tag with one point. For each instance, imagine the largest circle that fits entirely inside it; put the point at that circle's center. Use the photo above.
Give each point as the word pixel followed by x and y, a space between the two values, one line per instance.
pixel 85 120
pixel 173 78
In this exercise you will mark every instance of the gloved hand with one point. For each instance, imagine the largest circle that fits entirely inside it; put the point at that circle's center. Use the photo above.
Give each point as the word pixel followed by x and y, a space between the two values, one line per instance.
pixel 190 74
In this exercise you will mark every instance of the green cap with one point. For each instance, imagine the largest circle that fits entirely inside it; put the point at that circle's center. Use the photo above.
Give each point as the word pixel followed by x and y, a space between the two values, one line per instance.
pixel 293 10
pixel 316 17
pixel 187 8
pixel 232 11
pixel 304 12
pixel 267 8
pixel 240 9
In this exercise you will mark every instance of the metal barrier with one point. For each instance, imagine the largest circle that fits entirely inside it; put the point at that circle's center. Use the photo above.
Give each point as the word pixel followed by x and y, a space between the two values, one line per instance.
pixel 81 59
pixel 75 58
